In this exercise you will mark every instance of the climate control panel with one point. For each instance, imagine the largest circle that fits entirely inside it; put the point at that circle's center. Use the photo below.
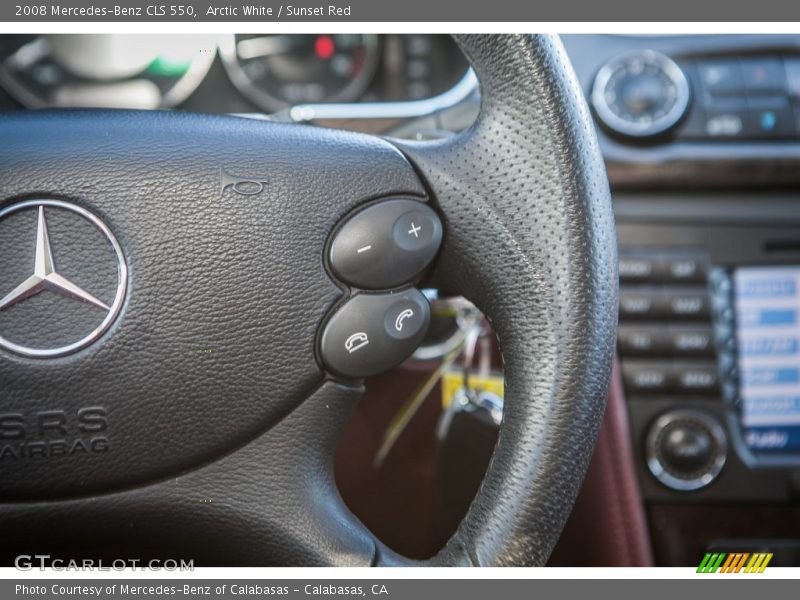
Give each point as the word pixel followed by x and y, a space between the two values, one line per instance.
pixel 645 94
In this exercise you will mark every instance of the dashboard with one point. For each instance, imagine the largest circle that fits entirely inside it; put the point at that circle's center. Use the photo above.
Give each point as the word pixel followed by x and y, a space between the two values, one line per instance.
pixel 701 137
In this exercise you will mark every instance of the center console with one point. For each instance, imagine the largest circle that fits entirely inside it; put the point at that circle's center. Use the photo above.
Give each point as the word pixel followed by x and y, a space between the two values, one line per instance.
pixel 701 137
pixel 708 344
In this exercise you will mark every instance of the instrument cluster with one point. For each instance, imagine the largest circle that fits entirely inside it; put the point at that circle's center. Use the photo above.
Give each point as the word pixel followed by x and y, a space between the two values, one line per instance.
pixel 230 73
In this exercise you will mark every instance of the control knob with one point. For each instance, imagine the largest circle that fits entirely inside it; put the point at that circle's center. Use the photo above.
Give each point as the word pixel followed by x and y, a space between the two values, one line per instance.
pixel 686 449
pixel 640 94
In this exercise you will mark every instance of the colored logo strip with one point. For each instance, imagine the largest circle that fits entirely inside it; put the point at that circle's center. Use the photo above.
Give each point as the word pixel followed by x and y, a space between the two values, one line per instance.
pixel 734 562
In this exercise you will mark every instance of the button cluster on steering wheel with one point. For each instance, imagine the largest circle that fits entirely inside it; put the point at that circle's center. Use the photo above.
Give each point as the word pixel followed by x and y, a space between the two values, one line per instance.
pixel 386 245
pixel 378 250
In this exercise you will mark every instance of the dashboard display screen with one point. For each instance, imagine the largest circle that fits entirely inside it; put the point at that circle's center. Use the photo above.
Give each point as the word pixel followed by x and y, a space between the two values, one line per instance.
pixel 768 336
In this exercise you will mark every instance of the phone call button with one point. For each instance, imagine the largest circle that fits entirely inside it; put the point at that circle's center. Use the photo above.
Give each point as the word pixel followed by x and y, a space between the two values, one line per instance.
pixel 404 319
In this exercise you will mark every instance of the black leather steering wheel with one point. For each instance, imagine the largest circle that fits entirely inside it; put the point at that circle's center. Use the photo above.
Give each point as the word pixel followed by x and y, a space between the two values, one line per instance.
pixel 217 417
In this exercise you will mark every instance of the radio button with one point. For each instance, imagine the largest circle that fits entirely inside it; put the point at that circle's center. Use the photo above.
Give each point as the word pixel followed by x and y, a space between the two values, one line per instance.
pixel 641 304
pixel 640 340
pixel 688 269
pixel 637 268
pixel 647 377
pixel 687 304
pixel 690 341
pixel 696 378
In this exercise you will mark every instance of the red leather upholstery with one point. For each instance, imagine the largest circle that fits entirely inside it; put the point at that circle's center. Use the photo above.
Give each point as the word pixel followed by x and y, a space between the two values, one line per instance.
pixel 608 526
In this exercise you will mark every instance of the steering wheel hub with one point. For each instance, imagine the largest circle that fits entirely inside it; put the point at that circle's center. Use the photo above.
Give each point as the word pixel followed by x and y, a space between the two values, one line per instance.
pixel 48 326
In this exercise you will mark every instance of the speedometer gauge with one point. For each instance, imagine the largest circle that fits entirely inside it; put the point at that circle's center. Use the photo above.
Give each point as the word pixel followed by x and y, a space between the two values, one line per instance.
pixel 276 71
pixel 104 71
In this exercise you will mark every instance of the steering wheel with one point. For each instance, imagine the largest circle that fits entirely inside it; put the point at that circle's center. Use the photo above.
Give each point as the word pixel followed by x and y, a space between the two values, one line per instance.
pixel 168 291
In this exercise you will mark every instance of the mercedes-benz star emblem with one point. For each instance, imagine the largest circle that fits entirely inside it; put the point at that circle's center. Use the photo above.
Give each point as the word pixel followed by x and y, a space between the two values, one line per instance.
pixel 46 277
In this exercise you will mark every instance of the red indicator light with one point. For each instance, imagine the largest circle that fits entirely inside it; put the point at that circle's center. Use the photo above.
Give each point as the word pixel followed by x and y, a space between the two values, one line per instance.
pixel 324 47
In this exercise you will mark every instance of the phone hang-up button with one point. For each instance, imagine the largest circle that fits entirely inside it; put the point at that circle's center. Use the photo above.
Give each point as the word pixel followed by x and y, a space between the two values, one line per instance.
pixel 356 341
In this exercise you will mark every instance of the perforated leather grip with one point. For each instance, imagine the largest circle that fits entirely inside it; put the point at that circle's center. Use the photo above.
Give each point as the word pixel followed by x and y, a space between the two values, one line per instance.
pixel 530 239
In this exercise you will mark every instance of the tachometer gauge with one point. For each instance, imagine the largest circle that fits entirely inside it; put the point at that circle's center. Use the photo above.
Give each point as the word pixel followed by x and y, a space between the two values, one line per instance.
pixel 104 71
pixel 276 71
